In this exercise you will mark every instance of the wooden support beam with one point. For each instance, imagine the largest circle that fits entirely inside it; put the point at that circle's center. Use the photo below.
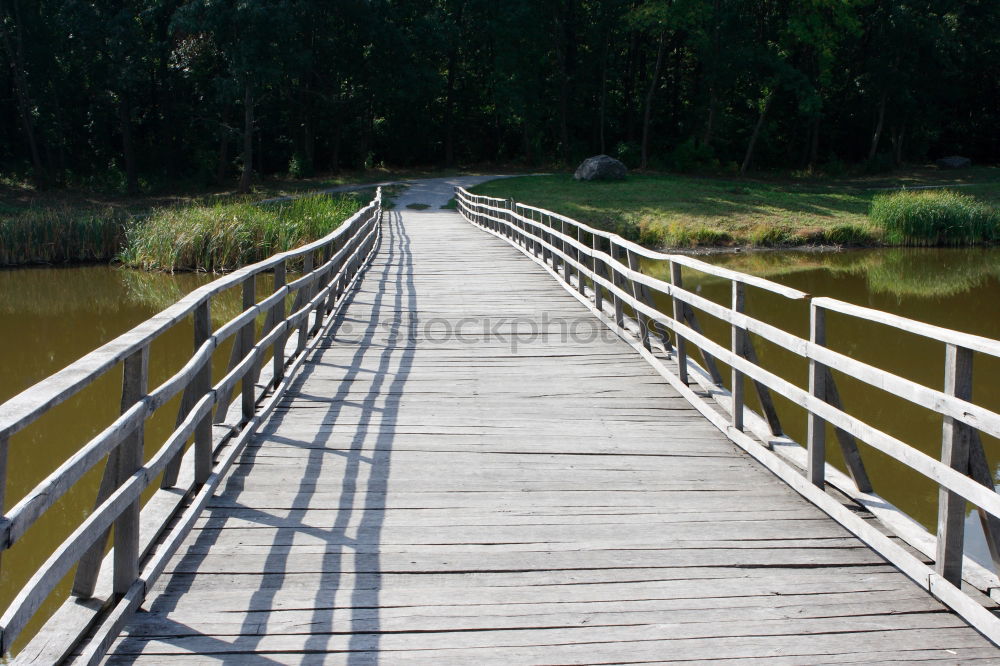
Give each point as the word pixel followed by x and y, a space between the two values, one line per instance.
pixel 737 345
pixel 816 446
pixel 980 471
pixel 247 336
pixel 126 554
pixel 710 364
pixel 278 361
pixel 955 439
pixel 763 392
pixel 678 307
pixel 848 444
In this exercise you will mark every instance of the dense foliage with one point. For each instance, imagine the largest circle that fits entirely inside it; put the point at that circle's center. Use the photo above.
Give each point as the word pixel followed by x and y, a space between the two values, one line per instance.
pixel 225 236
pixel 118 93
pixel 934 217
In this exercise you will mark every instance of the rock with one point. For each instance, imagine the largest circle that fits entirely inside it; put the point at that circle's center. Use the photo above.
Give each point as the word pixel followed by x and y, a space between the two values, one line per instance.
pixel 600 167
pixel 953 162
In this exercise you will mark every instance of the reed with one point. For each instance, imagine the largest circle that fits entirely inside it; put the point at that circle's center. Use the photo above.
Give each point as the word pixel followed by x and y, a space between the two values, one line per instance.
pixel 61 234
pixel 225 236
pixel 934 217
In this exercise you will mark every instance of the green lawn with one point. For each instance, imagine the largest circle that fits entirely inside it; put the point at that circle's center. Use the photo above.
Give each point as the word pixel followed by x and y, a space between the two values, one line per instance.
pixel 682 211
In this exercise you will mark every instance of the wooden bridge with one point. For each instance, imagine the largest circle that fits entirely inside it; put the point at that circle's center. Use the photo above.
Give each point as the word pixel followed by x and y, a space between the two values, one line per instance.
pixel 481 442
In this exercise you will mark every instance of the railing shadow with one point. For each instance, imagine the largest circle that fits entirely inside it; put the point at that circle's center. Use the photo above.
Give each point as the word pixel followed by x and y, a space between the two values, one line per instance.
pixel 384 348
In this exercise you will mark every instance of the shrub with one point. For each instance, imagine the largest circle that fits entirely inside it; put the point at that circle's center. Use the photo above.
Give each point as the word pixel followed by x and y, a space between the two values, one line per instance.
pixel 850 234
pixel 300 166
pixel 690 156
pixel 629 153
pixel 767 235
pixel 57 234
pixel 226 236
pixel 934 217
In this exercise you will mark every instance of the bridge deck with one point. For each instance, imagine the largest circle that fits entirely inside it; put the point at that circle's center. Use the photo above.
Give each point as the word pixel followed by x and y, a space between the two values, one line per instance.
pixel 441 490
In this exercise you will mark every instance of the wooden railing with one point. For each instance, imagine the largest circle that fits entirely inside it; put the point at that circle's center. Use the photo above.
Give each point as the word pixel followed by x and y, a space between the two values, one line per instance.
pixel 602 270
pixel 219 423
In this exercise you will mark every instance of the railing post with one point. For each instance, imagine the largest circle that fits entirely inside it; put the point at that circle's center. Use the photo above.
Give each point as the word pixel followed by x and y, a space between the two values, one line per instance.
pixel 737 347
pixel 616 281
pixel 202 384
pixel 247 337
pixel 816 467
pixel 306 291
pixel 637 294
pixel 580 287
pixel 678 309
pixel 955 440
pixel 598 293
pixel 126 553
pixel 278 359
pixel 4 447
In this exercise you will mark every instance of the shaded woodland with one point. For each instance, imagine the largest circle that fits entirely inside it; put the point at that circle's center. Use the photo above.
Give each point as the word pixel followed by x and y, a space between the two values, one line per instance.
pixel 138 94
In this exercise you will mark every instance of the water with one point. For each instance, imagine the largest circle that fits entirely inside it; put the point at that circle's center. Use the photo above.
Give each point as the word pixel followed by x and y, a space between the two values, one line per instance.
pixel 954 288
pixel 51 317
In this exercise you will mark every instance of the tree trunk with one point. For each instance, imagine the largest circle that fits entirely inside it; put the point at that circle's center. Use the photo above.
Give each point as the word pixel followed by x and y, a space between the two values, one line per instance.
pixel 247 175
pixel 878 128
pixel 630 87
pixel 561 51
pixel 647 113
pixel 604 91
pixel 713 103
pixel 128 149
pixel 814 144
pixel 223 166
pixel 756 133
pixel 15 54
pixel 897 144
pixel 449 116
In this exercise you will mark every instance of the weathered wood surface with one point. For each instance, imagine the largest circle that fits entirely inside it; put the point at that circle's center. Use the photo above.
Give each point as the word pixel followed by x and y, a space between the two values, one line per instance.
pixel 512 493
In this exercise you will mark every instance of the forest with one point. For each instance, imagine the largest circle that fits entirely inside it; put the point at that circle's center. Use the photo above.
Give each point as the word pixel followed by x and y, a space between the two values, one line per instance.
pixel 141 94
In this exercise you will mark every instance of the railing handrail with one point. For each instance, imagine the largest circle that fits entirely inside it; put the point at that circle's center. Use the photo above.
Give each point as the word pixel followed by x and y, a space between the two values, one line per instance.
pixel 594 275
pixel 23 408
pixel 127 473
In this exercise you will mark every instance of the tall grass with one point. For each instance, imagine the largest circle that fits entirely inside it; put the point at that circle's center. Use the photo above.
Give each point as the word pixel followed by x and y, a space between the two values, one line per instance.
pixel 934 217
pixel 60 234
pixel 225 236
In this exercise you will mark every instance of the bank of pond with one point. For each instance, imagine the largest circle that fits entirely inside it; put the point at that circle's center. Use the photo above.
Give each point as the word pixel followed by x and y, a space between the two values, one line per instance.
pixel 206 236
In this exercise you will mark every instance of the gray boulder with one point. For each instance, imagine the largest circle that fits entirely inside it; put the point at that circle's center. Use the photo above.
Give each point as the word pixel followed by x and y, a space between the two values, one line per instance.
pixel 601 167
pixel 953 162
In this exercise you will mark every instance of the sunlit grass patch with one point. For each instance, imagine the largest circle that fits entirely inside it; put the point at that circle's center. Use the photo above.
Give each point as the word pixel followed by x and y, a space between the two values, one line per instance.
pixel 934 217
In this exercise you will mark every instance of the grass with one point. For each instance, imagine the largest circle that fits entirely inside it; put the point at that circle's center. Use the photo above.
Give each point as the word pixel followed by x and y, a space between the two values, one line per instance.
pixel 60 234
pixel 934 217
pixel 667 210
pixel 225 236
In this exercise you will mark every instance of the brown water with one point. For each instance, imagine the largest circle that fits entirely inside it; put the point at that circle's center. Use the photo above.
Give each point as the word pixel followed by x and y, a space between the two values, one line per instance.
pixel 49 317
pixel 954 288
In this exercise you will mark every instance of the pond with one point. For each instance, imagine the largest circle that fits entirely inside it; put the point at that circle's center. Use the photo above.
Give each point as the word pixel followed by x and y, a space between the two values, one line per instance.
pixel 49 317
pixel 953 288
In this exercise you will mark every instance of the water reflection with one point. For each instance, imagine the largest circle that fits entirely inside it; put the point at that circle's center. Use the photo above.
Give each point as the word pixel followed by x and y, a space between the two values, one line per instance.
pixel 901 272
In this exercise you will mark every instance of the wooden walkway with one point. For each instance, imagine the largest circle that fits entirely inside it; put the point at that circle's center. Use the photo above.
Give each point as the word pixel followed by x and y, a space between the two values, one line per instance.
pixel 473 470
